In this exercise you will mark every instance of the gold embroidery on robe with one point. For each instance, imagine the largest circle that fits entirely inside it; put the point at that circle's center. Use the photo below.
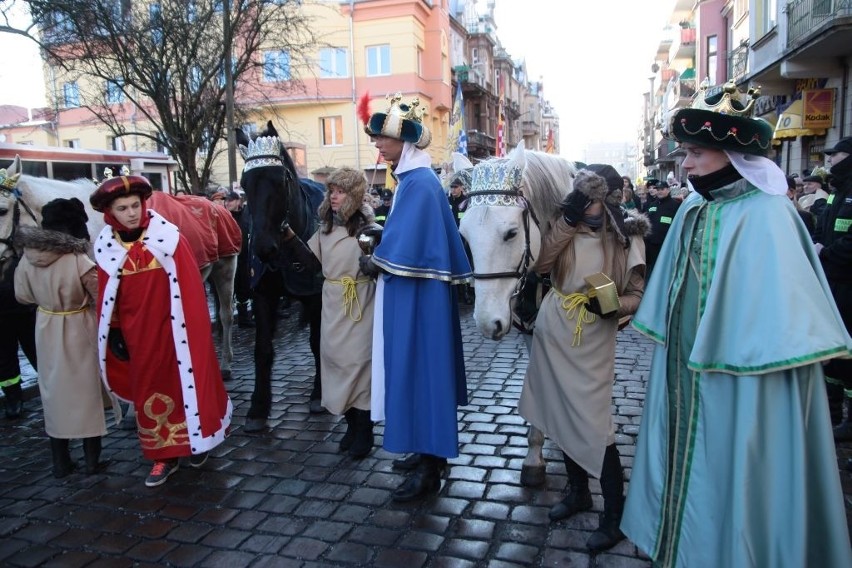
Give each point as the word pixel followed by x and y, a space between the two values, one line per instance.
pixel 164 433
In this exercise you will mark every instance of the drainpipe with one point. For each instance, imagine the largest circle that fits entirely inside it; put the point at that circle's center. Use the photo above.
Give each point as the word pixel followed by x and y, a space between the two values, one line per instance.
pixel 354 92
pixel 843 97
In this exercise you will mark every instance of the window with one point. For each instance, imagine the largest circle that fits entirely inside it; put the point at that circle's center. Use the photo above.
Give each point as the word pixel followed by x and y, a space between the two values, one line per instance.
pixel 276 65
pixel 332 130
pixel 75 143
pixel 115 143
pixel 161 145
pixel 474 55
pixel 195 78
pixel 71 95
pixel 249 128
pixel 333 62
pixel 419 62
pixel 712 55
pixel 378 60
pixel 114 94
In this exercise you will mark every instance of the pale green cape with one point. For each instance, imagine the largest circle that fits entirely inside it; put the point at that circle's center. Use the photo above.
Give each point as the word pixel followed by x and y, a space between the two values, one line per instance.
pixel 735 463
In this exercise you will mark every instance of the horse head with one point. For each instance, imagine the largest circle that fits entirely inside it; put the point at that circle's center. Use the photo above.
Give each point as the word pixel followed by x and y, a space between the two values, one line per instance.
pixel 9 208
pixel 271 184
pixel 512 200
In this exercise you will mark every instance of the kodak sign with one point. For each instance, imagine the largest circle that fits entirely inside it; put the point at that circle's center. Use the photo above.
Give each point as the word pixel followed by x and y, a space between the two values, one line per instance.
pixel 818 108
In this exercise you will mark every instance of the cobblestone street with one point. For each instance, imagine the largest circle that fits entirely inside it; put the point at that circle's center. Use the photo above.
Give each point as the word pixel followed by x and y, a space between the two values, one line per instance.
pixel 286 497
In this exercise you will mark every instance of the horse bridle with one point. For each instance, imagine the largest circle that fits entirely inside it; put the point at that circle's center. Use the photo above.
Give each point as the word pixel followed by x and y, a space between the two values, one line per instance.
pixel 513 197
pixel 263 160
pixel 16 219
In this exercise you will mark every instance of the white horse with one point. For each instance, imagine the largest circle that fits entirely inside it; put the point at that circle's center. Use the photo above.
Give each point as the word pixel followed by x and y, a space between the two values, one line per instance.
pixel 22 207
pixel 511 202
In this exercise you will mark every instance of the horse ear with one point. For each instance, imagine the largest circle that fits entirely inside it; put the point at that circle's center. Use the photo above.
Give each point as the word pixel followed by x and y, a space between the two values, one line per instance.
pixel 242 138
pixel 16 166
pixel 270 129
pixel 517 156
pixel 460 162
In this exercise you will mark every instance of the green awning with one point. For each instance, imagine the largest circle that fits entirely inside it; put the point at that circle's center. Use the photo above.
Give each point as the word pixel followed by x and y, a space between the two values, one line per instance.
pixel 688 73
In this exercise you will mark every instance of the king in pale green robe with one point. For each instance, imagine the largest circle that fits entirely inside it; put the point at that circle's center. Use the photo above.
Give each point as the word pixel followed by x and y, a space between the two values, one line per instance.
pixel 735 463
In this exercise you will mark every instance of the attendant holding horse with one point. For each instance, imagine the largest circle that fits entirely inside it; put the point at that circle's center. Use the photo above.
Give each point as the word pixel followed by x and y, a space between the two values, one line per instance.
pixel 347 308
pixel 58 276
pixel 418 363
pixel 154 336
pixel 567 390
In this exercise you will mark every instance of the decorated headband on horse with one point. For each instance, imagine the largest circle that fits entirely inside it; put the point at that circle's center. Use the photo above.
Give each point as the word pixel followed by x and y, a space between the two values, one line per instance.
pixel 721 117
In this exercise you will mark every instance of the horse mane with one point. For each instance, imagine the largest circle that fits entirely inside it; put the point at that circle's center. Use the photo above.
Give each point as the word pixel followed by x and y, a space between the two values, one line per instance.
pixel 548 179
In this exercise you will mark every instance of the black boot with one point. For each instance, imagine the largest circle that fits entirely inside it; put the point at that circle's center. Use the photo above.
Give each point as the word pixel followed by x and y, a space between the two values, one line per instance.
pixel 424 481
pixel 843 431
pixel 612 486
pixel 14 398
pixel 834 390
pixel 244 318
pixel 92 453
pixel 62 464
pixel 578 498
pixel 346 440
pixel 362 443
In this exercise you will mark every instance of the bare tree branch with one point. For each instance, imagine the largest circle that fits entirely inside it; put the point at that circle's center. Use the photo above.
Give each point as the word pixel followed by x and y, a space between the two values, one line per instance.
pixel 154 70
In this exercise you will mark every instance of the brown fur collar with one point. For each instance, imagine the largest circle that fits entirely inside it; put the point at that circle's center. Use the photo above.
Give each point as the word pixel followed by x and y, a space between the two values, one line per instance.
pixel 637 224
pixel 52 241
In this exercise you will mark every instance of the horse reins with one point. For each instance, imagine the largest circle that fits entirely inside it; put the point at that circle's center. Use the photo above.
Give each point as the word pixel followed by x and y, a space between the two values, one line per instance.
pixel 492 198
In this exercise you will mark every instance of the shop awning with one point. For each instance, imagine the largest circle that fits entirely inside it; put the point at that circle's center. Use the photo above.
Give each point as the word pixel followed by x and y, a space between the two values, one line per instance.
pixel 688 73
pixel 789 124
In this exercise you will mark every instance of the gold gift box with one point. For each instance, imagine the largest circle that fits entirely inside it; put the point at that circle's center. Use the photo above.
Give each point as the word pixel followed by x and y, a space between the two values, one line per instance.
pixel 601 287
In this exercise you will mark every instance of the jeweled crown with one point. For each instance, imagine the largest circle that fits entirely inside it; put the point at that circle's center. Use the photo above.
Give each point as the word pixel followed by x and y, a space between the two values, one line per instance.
pixel 261 146
pixel 725 99
pixel 7 181
pixel 411 111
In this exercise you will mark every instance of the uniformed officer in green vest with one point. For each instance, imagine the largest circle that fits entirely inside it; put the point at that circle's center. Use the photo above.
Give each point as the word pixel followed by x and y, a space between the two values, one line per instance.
pixel 660 213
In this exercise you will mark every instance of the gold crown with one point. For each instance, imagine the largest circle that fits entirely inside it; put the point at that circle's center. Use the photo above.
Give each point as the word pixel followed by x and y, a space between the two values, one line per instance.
pixel 729 99
pixel 411 111
pixel 7 181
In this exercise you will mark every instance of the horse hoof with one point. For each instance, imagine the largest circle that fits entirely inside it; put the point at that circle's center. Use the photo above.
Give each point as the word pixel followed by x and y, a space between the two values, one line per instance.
pixel 226 375
pixel 533 475
pixel 255 425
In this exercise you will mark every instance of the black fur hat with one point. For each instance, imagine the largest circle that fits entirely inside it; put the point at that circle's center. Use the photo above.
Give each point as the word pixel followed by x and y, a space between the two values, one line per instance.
pixel 66 216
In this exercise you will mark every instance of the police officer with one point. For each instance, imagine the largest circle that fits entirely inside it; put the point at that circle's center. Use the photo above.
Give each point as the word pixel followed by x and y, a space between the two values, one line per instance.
pixel 833 242
pixel 660 213
pixel 382 210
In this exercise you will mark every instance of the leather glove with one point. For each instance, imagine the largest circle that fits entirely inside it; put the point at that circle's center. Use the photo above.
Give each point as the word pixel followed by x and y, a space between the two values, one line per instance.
pixel 593 306
pixel 368 267
pixel 373 230
pixel 574 207
pixel 116 344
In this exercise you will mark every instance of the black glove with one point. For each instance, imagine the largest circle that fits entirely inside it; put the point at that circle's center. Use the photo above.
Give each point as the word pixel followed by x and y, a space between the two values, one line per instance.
pixel 373 230
pixel 574 207
pixel 368 267
pixel 116 344
pixel 593 306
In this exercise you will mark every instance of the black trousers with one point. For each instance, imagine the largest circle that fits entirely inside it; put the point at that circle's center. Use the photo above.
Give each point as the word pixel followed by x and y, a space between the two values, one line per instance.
pixel 18 329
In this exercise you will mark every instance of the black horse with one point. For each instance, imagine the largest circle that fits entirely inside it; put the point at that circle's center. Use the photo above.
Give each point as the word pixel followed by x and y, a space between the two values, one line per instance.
pixel 277 198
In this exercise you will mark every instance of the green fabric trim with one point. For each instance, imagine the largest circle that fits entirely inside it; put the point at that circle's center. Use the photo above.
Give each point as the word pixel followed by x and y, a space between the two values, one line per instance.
pixel 830 199
pixel 771 367
pixel 833 381
pixel 646 331
pixel 10 382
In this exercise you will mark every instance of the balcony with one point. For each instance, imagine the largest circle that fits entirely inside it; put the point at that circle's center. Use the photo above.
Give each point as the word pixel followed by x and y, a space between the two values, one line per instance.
pixel 530 128
pixel 480 145
pixel 738 62
pixel 683 45
pixel 807 18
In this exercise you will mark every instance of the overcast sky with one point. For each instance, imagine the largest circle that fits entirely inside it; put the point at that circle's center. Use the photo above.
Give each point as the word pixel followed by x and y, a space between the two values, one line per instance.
pixel 595 57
